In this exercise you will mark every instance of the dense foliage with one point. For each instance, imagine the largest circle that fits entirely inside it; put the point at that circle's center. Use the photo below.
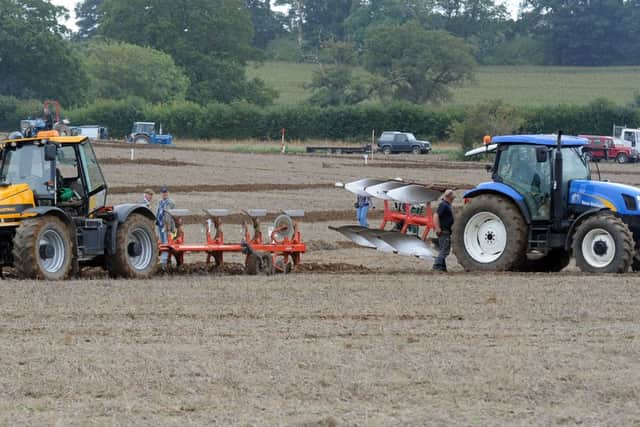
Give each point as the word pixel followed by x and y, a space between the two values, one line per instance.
pixel 35 58
pixel 120 70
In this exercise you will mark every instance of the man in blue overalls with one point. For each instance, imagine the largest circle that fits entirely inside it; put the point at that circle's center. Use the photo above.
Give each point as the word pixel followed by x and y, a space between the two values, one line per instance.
pixel 362 208
pixel 164 222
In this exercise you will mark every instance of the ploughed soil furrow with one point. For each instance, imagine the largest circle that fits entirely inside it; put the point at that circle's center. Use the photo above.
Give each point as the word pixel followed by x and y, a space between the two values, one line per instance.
pixel 154 162
pixel 222 188
pixel 432 164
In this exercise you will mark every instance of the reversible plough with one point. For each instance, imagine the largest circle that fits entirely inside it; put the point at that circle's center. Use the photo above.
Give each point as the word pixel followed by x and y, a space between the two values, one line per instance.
pixel 400 199
pixel 280 252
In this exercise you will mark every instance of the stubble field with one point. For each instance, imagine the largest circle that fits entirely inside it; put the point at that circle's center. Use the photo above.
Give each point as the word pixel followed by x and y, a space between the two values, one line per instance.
pixel 355 337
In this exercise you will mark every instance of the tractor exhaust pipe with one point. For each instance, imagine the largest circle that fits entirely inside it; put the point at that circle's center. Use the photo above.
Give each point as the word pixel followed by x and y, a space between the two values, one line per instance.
pixel 558 206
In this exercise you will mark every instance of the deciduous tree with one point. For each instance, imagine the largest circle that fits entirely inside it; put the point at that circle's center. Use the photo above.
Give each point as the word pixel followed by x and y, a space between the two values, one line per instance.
pixel 417 65
pixel 118 70
pixel 36 60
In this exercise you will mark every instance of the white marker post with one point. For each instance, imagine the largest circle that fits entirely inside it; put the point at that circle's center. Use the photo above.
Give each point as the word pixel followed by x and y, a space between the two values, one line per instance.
pixel 282 144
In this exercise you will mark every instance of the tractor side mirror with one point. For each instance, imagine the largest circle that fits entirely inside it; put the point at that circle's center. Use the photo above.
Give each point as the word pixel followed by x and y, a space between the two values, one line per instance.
pixel 541 155
pixel 50 152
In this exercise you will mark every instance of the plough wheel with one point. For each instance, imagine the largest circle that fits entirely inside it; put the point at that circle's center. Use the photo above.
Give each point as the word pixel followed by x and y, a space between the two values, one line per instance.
pixel 259 264
pixel 283 267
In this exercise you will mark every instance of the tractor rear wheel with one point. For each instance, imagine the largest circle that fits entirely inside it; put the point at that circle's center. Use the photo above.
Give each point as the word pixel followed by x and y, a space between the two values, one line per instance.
pixel 635 265
pixel 136 249
pixel 42 249
pixel 554 261
pixel 490 235
pixel 141 139
pixel 603 244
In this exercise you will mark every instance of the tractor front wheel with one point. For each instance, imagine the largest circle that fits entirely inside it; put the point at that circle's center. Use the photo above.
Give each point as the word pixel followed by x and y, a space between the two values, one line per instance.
pixel 42 249
pixel 490 235
pixel 136 249
pixel 603 244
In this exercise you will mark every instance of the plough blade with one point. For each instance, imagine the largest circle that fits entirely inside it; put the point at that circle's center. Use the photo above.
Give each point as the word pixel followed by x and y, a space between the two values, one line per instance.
pixel 358 187
pixel 377 238
pixel 352 232
pixel 407 245
pixel 414 194
pixel 380 191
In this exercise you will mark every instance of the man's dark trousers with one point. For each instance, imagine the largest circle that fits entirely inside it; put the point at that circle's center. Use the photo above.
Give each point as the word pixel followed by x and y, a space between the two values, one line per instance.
pixel 444 242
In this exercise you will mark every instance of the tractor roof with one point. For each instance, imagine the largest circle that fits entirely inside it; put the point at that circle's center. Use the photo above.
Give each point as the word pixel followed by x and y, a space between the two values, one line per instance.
pixel 56 139
pixel 548 140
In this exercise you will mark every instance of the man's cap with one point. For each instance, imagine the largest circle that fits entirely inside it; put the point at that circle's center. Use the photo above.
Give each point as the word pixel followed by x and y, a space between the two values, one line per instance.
pixel 148 191
pixel 164 189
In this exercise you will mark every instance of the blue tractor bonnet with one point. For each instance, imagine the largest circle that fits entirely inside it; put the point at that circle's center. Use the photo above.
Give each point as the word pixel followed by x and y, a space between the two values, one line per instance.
pixel 548 140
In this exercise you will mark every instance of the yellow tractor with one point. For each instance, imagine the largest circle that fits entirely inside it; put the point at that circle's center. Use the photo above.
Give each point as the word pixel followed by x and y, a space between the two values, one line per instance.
pixel 54 217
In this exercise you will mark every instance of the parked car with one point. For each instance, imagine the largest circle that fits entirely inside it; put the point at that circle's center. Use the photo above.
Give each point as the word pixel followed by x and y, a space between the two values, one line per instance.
pixel 402 142
pixel 606 147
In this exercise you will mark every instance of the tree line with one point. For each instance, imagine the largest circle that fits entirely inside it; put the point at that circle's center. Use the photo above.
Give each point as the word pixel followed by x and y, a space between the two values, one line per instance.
pixel 198 50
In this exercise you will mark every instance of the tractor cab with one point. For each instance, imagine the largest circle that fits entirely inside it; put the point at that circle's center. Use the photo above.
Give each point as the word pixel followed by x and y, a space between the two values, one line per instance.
pixel 148 128
pixel 527 166
pixel 60 171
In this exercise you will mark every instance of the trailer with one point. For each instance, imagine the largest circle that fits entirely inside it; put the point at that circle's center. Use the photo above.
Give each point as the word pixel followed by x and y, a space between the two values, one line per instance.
pixel 344 149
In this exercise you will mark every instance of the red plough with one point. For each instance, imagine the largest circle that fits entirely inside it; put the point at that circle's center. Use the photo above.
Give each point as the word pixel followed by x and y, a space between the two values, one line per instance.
pixel 279 253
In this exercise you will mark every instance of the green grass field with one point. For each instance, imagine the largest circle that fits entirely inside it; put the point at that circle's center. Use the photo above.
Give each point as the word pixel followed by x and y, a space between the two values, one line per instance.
pixel 516 85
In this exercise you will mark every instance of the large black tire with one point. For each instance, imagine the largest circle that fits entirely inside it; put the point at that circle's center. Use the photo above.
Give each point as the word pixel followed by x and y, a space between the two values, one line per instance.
pixel 42 249
pixel 635 264
pixel 496 235
pixel 554 261
pixel 603 244
pixel 386 149
pixel 136 254
pixel 141 139
pixel 416 150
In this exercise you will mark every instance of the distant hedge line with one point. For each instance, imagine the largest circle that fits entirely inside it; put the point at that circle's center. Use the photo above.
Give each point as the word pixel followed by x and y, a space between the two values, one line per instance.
pixel 242 121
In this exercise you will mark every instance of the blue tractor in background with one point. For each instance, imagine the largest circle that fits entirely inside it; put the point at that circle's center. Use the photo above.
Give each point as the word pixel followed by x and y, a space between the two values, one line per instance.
pixel 542 207
pixel 146 133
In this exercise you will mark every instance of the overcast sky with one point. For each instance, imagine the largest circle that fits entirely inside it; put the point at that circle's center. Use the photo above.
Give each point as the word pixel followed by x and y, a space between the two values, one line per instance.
pixel 70 4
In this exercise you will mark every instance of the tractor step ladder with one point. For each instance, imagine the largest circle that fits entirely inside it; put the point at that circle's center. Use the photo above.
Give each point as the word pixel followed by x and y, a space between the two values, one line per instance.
pixel 538 237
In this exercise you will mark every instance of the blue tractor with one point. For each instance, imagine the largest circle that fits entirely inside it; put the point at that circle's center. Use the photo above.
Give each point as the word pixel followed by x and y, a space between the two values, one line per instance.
pixel 146 133
pixel 542 207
